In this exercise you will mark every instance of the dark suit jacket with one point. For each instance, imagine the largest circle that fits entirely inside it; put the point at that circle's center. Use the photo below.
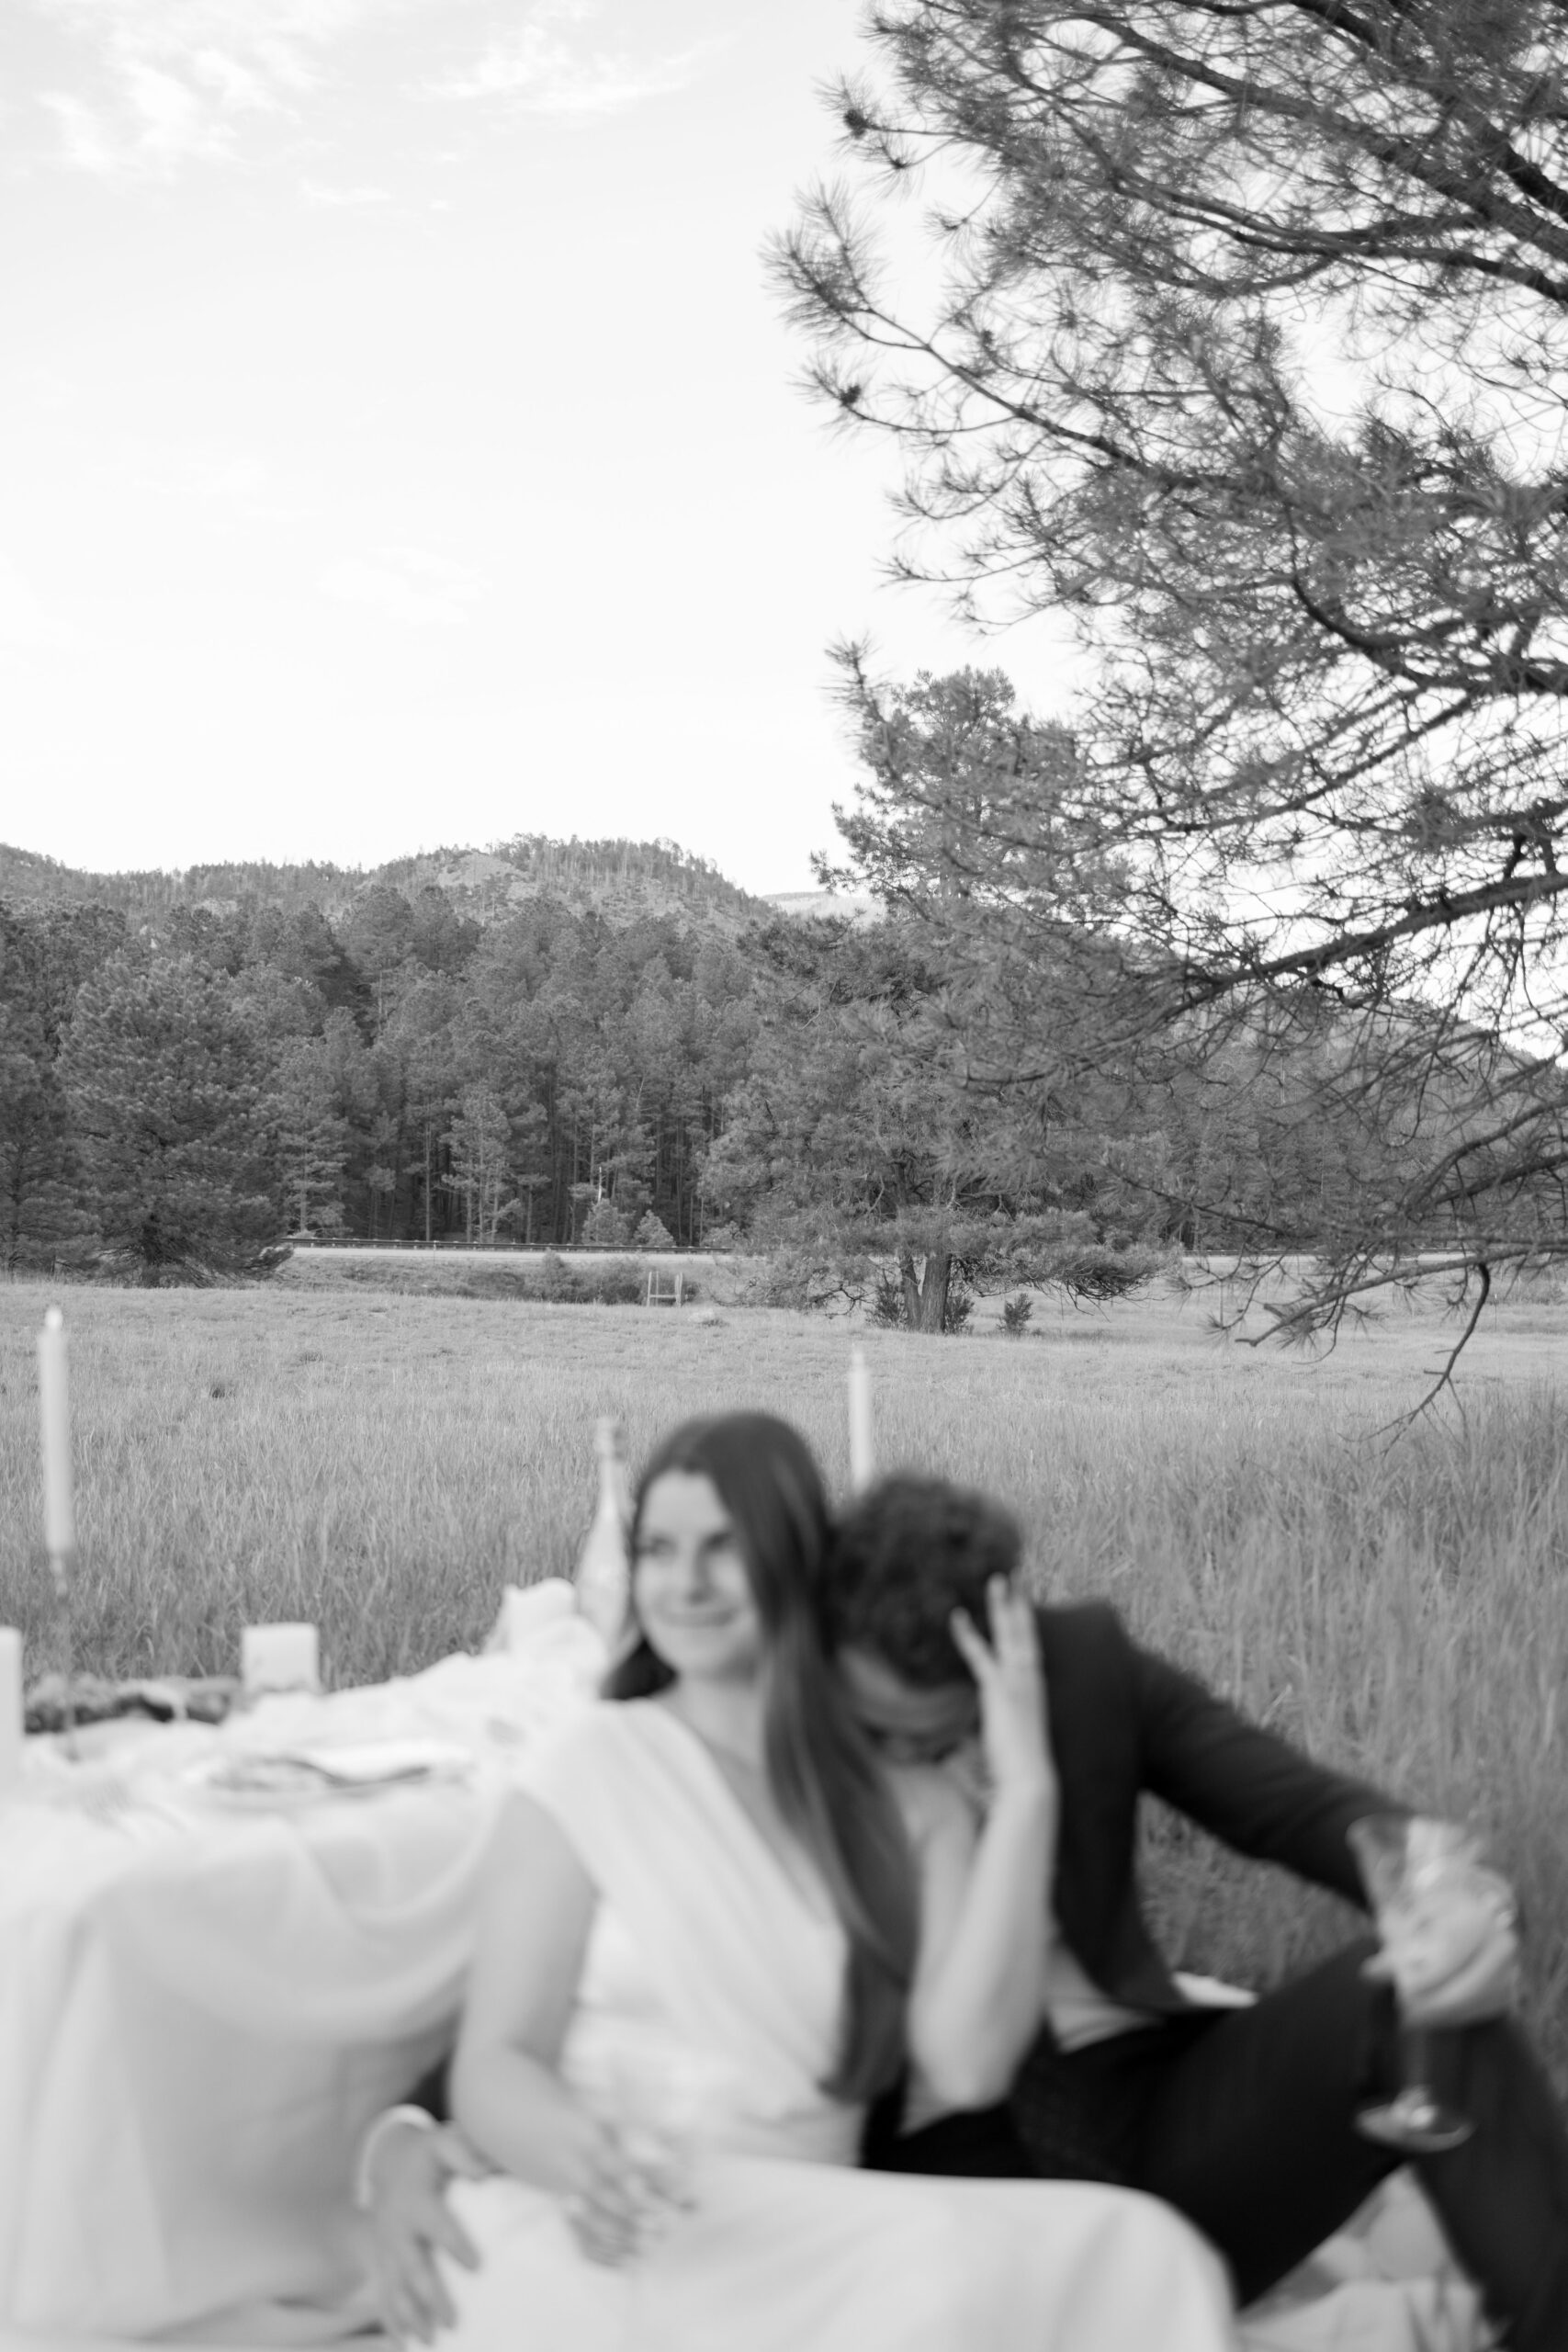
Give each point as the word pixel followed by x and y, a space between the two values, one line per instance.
pixel 1123 1721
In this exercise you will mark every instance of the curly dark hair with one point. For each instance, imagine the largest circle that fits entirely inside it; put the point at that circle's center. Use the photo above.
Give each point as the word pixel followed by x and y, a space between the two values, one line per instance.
pixel 908 1553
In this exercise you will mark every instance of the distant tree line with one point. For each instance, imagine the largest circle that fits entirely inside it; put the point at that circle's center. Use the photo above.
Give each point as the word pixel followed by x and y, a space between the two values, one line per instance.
pixel 194 1064
pixel 185 1086
pixel 187 1092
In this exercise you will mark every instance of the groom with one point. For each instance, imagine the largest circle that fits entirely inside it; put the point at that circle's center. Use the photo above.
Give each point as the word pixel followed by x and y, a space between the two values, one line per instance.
pixel 1242 2117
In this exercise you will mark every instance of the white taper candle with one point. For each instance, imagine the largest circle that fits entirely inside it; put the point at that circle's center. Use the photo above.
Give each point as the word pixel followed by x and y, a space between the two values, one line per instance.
pixel 604 1567
pixel 54 1407
pixel 862 1461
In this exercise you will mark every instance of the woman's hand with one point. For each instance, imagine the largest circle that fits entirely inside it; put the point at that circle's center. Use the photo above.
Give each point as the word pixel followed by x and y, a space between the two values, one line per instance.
pixel 410 2222
pixel 624 2201
pixel 1012 1690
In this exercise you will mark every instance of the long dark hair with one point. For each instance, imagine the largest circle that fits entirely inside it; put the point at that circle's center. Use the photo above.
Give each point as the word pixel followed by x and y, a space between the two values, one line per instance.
pixel 821 1770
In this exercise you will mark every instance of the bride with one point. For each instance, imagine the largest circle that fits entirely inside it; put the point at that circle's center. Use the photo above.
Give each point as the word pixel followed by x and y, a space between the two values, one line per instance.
pixel 713 1931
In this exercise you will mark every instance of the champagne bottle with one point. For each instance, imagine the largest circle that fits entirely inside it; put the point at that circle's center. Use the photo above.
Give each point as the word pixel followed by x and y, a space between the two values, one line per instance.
pixel 604 1567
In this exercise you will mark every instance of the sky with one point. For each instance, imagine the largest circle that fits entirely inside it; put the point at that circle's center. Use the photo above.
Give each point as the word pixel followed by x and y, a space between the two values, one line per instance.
pixel 400 443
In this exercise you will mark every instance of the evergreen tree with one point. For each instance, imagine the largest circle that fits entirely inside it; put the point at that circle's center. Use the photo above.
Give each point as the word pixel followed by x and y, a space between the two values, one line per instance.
pixel 857 1133
pixel 1244 357
pixel 168 1088
pixel 44 954
pixel 479 1144
pixel 311 1139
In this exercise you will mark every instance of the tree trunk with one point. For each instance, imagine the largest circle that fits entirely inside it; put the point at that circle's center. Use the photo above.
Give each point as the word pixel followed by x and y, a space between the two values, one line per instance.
pixel 934 1282
pixel 925 1295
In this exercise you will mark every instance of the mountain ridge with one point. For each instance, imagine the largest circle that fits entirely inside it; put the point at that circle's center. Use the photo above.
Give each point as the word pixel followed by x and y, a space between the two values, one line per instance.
pixel 622 879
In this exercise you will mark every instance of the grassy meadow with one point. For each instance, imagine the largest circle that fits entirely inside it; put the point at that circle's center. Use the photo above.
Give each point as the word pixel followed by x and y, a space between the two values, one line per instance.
pixel 381 1458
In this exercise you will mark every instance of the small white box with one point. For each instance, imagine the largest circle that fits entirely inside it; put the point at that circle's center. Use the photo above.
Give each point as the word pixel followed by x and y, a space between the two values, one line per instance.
pixel 280 1658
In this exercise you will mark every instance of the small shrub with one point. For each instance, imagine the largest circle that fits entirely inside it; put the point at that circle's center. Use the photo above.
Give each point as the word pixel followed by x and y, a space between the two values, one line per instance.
pixel 960 1306
pixel 791 1276
pixel 1540 1284
pixel 607 1227
pixel 885 1304
pixel 652 1233
pixel 555 1276
pixel 1016 1313
pixel 618 1284
pixel 596 1283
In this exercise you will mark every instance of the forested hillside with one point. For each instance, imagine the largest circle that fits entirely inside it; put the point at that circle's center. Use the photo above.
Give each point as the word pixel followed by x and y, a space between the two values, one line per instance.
pixel 604 1042
pixel 533 1042
pixel 617 878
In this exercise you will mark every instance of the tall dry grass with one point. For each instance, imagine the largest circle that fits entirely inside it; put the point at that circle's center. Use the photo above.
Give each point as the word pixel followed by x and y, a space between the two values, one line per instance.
pixel 383 1462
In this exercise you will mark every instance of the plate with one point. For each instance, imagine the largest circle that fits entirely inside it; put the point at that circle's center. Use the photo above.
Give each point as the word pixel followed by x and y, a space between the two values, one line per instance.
pixel 283 1779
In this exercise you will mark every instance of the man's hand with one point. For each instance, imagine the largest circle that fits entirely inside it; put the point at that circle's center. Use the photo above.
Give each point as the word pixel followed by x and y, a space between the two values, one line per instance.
pixel 1459 1966
pixel 1012 1690
pixel 410 2222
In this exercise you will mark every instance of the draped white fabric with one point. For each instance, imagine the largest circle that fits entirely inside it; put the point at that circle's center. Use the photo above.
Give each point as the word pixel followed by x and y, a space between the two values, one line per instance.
pixel 703 1941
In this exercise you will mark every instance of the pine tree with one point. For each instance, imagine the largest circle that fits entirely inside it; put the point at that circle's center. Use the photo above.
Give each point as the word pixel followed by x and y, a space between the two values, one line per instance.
pixel 44 953
pixel 311 1136
pixel 168 1088
pixel 478 1142
pixel 1243 357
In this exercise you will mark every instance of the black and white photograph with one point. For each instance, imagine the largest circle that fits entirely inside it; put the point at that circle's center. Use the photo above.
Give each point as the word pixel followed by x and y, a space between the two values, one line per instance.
pixel 783 1175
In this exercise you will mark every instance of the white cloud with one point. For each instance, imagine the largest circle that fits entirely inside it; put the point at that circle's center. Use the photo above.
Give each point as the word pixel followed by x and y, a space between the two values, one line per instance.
pixel 26 625
pixel 213 474
pixel 405 584
pixel 174 121
pixel 322 197
pixel 183 74
pixel 239 87
pixel 84 142
pixel 279 34
pixel 538 70
pixel 180 82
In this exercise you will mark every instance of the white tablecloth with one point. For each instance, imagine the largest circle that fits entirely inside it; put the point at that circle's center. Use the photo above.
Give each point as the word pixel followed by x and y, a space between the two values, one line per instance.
pixel 201 2007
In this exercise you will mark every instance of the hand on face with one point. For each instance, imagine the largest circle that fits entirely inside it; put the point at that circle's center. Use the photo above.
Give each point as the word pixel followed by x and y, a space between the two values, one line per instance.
pixel 1013 1689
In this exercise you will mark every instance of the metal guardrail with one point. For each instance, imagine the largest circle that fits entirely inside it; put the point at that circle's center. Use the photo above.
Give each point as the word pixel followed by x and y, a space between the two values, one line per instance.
pixel 518 1249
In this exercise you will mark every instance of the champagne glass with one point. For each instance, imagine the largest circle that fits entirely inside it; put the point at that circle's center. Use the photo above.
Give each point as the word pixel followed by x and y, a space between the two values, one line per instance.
pixel 1404 1862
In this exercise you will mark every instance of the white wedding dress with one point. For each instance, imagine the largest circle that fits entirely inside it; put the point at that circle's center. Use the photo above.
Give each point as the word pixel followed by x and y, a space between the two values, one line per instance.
pixel 706 1956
